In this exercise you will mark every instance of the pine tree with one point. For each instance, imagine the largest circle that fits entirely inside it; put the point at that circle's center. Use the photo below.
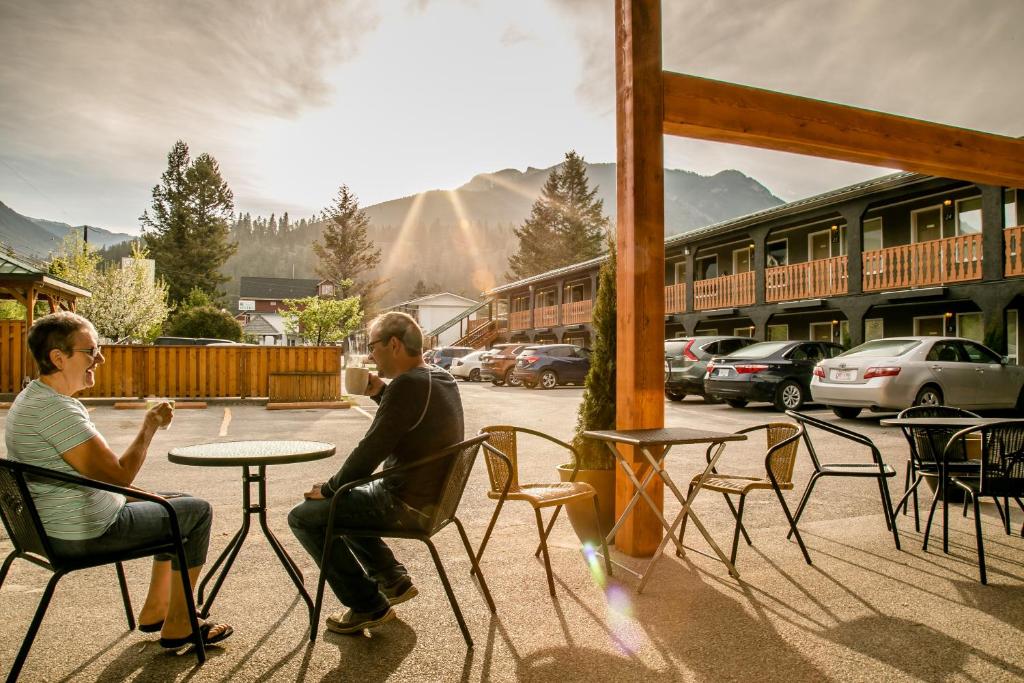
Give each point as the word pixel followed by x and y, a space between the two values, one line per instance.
pixel 344 250
pixel 566 224
pixel 187 228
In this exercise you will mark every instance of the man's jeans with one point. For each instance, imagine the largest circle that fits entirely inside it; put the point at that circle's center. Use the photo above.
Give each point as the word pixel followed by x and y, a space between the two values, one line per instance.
pixel 357 566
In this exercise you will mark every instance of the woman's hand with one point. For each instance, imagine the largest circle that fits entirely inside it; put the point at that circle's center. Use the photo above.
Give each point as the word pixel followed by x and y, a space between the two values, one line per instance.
pixel 159 416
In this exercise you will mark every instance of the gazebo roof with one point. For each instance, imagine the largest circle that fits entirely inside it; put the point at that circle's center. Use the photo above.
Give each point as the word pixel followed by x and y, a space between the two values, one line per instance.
pixel 17 270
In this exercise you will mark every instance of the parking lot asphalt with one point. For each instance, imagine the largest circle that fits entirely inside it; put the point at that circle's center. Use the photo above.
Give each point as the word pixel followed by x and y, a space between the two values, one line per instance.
pixel 864 611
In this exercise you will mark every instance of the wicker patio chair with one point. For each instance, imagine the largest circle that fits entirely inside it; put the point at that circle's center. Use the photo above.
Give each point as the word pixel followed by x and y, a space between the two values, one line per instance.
pixel 502 457
pixel 25 529
pixel 461 457
pixel 782 439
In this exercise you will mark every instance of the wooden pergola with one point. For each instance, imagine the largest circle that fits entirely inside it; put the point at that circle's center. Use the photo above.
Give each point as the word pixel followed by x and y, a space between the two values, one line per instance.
pixel 651 102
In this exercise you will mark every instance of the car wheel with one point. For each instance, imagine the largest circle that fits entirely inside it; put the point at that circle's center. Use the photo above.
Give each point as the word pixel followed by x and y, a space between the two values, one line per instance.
pixel 548 379
pixel 930 395
pixel 529 385
pixel 846 412
pixel 673 396
pixel 474 375
pixel 789 396
pixel 511 380
pixel 736 402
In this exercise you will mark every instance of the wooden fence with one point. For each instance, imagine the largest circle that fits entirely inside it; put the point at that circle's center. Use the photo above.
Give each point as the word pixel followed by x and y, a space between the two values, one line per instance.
pixel 178 371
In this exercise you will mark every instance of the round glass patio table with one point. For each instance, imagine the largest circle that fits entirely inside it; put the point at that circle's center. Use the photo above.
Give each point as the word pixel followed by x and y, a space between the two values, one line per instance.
pixel 248 455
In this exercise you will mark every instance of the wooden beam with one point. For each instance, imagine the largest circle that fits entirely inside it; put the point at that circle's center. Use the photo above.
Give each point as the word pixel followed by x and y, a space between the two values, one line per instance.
pixel 713 110
pixel 640 234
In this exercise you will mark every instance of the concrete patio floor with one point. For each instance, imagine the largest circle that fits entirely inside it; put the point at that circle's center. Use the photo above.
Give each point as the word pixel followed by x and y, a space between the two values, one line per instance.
pixel 863 611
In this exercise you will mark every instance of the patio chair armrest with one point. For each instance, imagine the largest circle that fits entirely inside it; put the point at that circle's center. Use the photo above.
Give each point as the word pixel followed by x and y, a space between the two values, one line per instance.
pixel 508 468
pixel 569 447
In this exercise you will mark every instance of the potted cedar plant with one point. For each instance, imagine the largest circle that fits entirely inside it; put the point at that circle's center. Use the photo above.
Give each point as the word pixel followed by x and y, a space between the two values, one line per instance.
pixel 597 411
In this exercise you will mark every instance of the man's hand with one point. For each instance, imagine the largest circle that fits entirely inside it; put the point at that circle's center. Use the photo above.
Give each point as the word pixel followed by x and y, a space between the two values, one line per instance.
pixel 375 385
pixel 314 493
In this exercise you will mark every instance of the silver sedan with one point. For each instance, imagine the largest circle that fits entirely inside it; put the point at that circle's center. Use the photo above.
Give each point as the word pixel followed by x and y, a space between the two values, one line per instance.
pixel 898 372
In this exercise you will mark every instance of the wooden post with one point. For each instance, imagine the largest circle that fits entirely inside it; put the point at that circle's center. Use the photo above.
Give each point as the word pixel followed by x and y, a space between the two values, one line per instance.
pixel 640 238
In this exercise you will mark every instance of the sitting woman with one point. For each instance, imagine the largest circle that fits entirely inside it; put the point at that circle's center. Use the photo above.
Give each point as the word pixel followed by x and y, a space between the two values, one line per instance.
pixel 48 428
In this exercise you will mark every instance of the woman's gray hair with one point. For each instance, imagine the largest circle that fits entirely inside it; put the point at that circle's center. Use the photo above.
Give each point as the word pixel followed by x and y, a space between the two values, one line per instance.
pixel 400 325
pixel 51 332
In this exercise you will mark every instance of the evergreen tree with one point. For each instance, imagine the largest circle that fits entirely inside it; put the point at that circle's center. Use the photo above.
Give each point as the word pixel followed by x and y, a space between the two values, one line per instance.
pixel 566 224
pixel 344 250
pixel 188 225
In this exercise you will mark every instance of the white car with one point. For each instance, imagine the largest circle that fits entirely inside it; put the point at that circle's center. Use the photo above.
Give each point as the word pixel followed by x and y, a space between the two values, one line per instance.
pixel 467 367
pixel 899 372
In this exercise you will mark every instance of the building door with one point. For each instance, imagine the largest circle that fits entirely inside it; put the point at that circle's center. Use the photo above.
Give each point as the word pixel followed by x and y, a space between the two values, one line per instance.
pixel 819 245
pixel 740 261
pixel 821 332
pixel 930 326
pixel 926 224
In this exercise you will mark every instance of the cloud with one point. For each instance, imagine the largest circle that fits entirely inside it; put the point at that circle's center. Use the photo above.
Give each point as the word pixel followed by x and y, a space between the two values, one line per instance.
pixel 124 78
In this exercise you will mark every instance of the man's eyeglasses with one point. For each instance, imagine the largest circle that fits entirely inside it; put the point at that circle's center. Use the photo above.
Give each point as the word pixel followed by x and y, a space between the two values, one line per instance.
pixel 371 344
pixel 91 352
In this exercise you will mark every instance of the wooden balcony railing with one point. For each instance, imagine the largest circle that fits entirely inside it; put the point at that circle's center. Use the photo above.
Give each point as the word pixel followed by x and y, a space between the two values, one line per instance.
pixel 823 277
pixel 675 298
pixel 545 316
pixel 724 292
pixel 936 262
pixel 577 312
pixel 1012 249
pixel 519 320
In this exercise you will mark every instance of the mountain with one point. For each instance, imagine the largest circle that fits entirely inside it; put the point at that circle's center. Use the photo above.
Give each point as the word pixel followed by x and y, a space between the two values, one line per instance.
pixel 39 237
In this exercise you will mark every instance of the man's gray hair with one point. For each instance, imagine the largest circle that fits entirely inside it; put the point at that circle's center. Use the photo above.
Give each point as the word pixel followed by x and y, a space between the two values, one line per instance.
pixel 401 325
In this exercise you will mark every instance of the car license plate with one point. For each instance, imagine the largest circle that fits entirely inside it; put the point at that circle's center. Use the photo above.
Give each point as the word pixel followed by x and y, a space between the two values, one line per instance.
pixel 722 372
pixel 843 375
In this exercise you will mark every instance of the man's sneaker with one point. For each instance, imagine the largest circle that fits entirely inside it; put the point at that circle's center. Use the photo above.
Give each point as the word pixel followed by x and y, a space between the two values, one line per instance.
pixel 399 591
pixel 354 622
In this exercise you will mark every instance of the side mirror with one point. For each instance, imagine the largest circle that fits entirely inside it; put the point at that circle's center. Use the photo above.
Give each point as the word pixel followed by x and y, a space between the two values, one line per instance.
pixel 1004 360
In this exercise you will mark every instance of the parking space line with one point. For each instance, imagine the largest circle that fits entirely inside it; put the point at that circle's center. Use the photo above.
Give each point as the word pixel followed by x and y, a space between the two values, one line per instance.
pixel 705 415
pixel 362 412
pixel 225 422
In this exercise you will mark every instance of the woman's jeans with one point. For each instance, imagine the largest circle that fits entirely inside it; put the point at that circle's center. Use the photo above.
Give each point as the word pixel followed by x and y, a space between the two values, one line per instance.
pixel 143 523
pixel 357 566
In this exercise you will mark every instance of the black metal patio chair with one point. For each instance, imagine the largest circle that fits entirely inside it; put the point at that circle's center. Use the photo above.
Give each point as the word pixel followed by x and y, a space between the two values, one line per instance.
pixel 876 469
pixel 461 457
pixel 1001 474
pixel 25 529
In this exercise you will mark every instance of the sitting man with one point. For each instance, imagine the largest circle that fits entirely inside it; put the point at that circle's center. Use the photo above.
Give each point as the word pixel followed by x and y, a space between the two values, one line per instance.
pixel 420 414
pixel 48 428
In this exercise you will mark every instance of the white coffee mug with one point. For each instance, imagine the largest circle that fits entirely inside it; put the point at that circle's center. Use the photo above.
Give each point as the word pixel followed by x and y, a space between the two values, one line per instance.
pixel 153 402
pixel 356 379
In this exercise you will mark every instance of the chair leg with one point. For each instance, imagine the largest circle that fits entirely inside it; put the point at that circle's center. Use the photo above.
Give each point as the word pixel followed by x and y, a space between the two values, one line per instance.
pixel 8 561
pixel 890 516
pixel 314 618
pixel 600 532
pixel 803 502
pixel 905 498
pixel 906 483
pixel 931 514
pixel 1006 506
pixel 448 590
pixel 792 521
pixel 981 542
pixel 544 550
pixel 33 628
pixel 190 605
pixel 487 536
pixel 547 532
pixel 476 568
pixel 682 526
pixel 739 525
pixel 125 597
pixel 736 516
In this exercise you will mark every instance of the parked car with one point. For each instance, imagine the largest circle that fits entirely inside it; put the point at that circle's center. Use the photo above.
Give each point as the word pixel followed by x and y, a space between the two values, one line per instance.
pixel 778 372
pixel 443 356
pixel 499 364
pixel 549 365
pixel 467 367
pixel 898 372
pixel 686 361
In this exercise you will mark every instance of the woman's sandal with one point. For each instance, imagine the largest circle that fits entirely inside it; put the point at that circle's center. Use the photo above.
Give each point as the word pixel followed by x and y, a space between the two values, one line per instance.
pixel 204 630
pixel 155 628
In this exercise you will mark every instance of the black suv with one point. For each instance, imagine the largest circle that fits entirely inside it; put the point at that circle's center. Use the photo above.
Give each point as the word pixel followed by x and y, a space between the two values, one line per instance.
pixel 686 360
pixel 778 372
pixel 444 355
pixel 549 365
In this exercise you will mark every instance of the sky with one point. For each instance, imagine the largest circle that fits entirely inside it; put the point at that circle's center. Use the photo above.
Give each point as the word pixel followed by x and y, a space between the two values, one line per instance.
pixel 394 97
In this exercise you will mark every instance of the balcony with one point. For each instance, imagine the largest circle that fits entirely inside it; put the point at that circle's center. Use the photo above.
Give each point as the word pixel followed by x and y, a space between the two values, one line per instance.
pixel 936 262
pixel 810 280
pixel 1012 250
pixel 675 298
pixel 545 316
pixel 577 312
pixel 727 291
pixel 519 320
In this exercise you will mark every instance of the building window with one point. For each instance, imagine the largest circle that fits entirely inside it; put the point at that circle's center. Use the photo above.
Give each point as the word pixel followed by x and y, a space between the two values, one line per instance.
pixel 873 234
pixel 1010 208
pixel 778 333
pixel 970 326
pixel 707 267
pixel 747 331
pixel 1011 336
pixel 680 269
pixel 874 328
pixel 778 253
pixel 968 216
pixel 573 293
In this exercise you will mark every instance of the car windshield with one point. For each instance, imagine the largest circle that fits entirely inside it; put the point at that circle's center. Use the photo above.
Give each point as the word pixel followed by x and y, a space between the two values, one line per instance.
pixel 759 350
pixel 881 348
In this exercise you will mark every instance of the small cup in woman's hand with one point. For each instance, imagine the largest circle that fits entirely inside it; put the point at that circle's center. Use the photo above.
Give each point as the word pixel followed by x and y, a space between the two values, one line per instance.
pixel 163 410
